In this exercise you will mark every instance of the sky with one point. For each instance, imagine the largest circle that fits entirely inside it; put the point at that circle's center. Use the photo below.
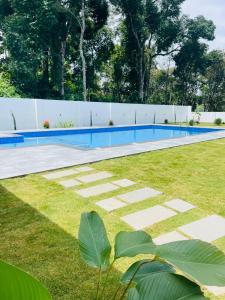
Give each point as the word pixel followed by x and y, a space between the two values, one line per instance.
pixel 211 9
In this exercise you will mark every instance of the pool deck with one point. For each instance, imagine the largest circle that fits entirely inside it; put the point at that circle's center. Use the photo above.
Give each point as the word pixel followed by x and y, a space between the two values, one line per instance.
pixel 24 161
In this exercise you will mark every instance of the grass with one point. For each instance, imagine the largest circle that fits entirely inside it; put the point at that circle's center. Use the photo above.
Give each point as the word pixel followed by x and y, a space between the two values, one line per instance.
pixel 201 125
pixel 39 219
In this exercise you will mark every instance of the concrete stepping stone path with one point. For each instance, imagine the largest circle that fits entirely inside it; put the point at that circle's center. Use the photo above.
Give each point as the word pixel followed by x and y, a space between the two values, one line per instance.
pixel 94 177
pixel 97 190
pixel 84 169
pixel 110 204
pixel 64 173
pixel 60 174
pixel 179 205
pixel 208 229
pixel 170 237
pixel 139 195
pixel 124 183
pixel 148 217
pixel 69 183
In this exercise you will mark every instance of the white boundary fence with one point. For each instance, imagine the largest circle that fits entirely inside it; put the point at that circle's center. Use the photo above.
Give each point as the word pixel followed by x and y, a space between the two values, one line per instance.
pixel 31 113
pixel 209 117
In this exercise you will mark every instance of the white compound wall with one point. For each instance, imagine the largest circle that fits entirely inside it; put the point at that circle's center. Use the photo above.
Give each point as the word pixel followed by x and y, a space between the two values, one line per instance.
pixel 31 113
pixel 209 117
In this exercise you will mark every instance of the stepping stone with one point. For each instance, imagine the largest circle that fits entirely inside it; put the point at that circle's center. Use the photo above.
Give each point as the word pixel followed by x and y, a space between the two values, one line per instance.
pixel 97 190
pixel 208 229
pixel 59 174
pixel 215 290
pixel 84 169
pixel 124 183
pixel 69 183
pixel 148 217
pixel 111 204
pixel 94 177
pixel 170 237
pixel 179 205
pixel 139 195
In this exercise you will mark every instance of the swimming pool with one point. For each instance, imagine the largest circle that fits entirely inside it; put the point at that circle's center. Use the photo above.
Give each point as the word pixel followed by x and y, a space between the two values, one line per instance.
pixel 91 138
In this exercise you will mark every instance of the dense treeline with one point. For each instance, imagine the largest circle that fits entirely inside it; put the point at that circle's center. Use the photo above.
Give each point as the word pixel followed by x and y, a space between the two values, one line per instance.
pixel 74 50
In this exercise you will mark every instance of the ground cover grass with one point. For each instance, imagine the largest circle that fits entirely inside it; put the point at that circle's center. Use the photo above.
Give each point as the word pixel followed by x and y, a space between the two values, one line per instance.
pixel 39 219
pixel 201 125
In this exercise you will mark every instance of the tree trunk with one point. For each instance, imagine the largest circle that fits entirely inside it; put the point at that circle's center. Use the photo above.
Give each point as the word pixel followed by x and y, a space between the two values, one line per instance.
pixel 141 77
pixel 83 28
pixel 62 75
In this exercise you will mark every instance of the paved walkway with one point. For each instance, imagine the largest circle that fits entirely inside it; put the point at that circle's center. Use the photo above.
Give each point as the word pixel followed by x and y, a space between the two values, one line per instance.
pixel 23 161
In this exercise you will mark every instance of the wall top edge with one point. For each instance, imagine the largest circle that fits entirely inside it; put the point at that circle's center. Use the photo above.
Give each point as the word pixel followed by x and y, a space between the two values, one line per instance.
pixel 82 102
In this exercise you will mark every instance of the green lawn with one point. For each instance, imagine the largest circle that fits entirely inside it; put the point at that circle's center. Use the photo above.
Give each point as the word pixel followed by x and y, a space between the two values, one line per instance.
pixel 201 125
pixel 39 219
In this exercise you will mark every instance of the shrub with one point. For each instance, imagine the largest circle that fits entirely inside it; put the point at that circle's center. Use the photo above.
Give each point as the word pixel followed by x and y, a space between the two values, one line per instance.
pixel 166 121
pixel 170 271
pixel 191 122
pixel 7 89
pixel 67 124
pixel 111 123
pixel 46 124
pixel 218 121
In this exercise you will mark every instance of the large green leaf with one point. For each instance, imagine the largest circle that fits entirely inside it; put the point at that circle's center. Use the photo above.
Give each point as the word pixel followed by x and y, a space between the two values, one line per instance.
pixel 133 294
pixel 166 286
pixel 200 261
pixel 94 245
pixel 130 244
pixel 143 268
pixel 15 284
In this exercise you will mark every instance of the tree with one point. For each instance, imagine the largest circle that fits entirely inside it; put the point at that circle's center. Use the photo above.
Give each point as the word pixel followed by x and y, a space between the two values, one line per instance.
pixel 151 29
pixel 97 51
pixel 162 86
pixel 88 18
pixel 191 60
pixel 213 82
pixel 27 28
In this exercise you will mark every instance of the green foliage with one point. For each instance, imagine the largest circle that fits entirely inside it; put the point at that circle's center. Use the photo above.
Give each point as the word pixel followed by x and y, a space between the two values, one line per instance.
pixel 41 47
pixel 165 286
pixel 46 124
pixel 191 61
pixel 192 122
pixel 68 124
pixel 18 285
pixel 6 87
pixel 218 121
pixel 143 268
pixel 42 41
pixel 130 244
pixel 213 82
pixel 93 241
pixel 157 277
pixel 197 260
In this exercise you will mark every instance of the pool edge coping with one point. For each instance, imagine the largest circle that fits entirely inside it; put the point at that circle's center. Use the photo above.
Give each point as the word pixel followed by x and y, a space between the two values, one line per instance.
pixel 118 151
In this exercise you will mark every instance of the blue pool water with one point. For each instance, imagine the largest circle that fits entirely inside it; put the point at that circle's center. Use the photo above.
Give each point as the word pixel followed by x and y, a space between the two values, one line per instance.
pixel 101 137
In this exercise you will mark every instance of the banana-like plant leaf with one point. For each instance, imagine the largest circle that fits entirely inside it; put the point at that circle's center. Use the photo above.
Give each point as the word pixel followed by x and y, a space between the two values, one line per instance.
pixel 16 284
pixel 133 294
pixel 130 244
pixel 166 286
pixel 143 268
pixel 94 245
pixel 199 260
